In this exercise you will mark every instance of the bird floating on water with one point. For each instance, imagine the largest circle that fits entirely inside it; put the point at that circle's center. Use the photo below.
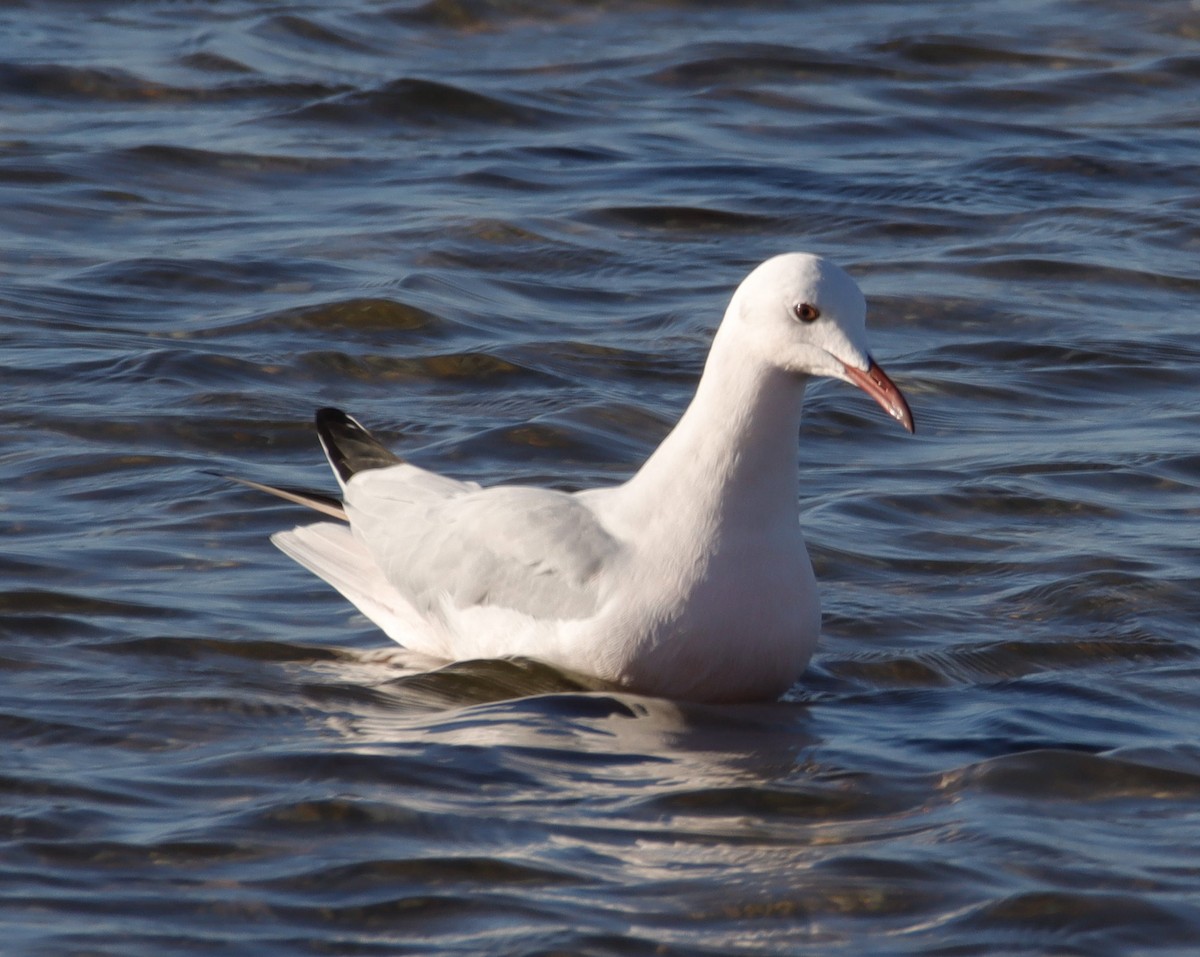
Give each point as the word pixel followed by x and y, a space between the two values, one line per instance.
pixel 691 580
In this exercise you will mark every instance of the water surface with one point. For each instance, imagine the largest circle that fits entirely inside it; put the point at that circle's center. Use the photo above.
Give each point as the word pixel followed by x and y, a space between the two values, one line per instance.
pixel 501 233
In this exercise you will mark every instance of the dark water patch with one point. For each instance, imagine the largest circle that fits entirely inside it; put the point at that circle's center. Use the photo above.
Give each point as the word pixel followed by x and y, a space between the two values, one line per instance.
pixel 1177 756
pixel 36 307
pixel 1184 468
pixel 607 435
pixel 1058 270
pixel 354 698
pixel 87 84
pixel 207 61
pixel 1118 81
pixel 1035 101
pixel 213 433
pixel 1124 488
pixel 371 878
pixel 530 443
pixel 479 368
pixel 881 564
pixel 884 670
pixel 1156 358
pixel 1101 172
pixel 251 167
pixel 1075 777
pixel 202 649
pixel 369 319
pixel 974 52
pixel 495 232
pixel 22 826
pixel 425 104
pixel 51 626
pixel 51 734
pixel 117 856
pixel 1013 499
pixel 845 799
pixel 1099 595
pixel 32 173
pixel 1005 660
pixel 21 785
pixel 37 602
pixel 1100 923
pixel 697 222
pixel 441 913
pixel 955 318
pixel 578 699
pixel 1185 66
pixel 311 33
pixel 750 64
pixel 470 16
pixel 902 893
pixel 188 715
pixel 185 367
pixel 209 277
pixel 342 816
pixel 590 154
pixel 496 246
pixel 88 476
pixel 908 196
pixel 110 86
pixel 479 682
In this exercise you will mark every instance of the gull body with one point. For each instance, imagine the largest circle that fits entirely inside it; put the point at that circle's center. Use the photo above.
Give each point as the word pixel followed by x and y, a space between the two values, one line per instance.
pixel 691 580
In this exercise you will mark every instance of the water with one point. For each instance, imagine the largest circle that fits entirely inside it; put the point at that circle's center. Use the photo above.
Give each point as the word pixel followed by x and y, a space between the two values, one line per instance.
pixel 501 233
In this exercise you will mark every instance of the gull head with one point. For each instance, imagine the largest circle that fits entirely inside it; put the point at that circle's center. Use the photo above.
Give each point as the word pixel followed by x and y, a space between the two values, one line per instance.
pixel 804 314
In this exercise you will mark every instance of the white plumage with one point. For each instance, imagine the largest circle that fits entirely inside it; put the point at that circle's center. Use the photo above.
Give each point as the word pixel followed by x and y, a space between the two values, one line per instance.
pixel 691 580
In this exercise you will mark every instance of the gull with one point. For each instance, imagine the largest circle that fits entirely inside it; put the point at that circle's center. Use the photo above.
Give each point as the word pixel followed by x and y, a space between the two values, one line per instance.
pixel 690 581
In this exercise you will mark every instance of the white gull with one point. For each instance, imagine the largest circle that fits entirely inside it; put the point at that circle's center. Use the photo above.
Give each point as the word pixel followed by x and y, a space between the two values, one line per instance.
pixel 691 580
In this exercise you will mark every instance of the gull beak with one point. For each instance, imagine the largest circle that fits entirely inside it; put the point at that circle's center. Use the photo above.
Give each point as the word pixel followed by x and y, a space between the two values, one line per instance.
pixel 875 383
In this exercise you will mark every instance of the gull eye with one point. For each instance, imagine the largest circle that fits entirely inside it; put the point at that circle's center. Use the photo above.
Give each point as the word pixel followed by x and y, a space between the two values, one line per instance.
pixel 806 312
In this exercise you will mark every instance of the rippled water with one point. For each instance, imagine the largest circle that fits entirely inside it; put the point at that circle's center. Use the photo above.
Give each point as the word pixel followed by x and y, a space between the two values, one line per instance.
pixel 501 233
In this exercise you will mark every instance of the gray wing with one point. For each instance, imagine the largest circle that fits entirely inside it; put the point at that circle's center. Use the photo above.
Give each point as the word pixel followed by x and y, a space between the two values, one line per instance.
pixel 535 551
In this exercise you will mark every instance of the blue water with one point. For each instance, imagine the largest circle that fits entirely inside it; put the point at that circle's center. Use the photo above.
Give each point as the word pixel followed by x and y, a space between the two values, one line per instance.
pixel 501 234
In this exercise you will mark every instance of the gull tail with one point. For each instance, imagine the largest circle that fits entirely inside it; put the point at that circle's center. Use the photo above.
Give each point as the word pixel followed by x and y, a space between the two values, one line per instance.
pixel 326 504
pixel 349 447
pixel 331 552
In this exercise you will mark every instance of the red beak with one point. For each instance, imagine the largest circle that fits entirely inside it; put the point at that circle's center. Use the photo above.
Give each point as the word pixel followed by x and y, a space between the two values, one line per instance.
pixel 875 383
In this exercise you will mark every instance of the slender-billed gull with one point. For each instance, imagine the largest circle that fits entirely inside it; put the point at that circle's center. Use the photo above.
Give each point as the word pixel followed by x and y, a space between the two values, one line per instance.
pixel 691 580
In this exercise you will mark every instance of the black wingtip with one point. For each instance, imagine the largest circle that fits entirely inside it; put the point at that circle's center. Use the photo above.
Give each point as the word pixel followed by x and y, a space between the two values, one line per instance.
pixel 349 447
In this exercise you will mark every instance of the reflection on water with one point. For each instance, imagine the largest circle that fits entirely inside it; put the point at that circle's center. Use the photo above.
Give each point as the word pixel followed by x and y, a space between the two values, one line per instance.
pixel 501 233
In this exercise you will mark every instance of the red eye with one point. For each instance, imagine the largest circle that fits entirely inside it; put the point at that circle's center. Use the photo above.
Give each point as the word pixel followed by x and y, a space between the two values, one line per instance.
pixel 806 312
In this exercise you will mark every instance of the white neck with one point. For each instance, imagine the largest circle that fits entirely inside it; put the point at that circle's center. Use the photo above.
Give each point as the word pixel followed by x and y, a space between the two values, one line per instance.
pixel 731 459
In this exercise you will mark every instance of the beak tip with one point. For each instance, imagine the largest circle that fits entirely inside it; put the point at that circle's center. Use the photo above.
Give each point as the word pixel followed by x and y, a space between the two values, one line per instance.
pixel 875 382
